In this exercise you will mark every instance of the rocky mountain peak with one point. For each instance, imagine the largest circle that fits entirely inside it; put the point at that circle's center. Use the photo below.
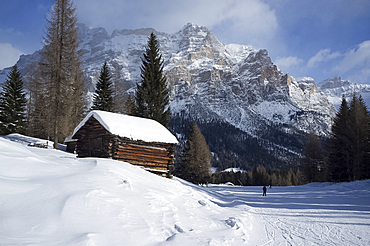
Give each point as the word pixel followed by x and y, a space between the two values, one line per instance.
pixel 336 87
pixel 194 30
pixel 334 82
pixel 192 37
pixel 92 36
pixel 139 32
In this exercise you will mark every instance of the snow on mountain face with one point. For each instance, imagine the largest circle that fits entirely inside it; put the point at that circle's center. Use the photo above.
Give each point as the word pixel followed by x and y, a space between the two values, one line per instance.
pixel 24 65
pixel 336 87
pixel 240 85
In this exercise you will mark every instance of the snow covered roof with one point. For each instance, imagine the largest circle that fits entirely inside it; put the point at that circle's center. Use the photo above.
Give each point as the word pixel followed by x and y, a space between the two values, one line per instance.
pixel 135 128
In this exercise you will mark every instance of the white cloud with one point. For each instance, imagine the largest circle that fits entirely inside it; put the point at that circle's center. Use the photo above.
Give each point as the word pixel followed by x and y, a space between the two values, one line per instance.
pixel 356 63
pixel 323 55
pixel 253 19
pixel 9 55
pixel 355 58
pixel 288 63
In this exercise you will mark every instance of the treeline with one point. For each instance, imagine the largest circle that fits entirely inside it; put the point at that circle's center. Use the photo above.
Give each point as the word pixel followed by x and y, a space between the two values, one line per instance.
pixel 345 156
pixel 259 176
pixel 231 147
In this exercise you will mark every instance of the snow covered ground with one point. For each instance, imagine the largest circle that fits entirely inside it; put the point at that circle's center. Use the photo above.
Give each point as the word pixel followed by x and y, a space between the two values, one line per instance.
pixel 49 197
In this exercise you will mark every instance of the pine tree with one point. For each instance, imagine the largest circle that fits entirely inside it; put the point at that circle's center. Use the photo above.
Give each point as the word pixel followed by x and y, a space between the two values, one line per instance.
pixel 129 105
pixel 195 163
pixel 260 176
pixel 13 104
pixel 313 161
pixel 103 97
pixel 152 99
pixel 38 113
pixel 359 121
pixel 349 146
pixel 59 76
pixel 339 145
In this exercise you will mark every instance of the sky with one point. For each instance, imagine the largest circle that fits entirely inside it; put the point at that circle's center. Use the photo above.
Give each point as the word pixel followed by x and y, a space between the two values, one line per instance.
pixel 314 38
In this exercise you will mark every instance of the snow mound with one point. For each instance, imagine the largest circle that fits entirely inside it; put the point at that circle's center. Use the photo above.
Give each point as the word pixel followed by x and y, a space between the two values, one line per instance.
pixel 50 197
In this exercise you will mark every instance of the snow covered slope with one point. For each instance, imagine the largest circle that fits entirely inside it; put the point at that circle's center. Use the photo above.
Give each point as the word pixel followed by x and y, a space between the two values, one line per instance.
pixel 50 197
pixel 336 87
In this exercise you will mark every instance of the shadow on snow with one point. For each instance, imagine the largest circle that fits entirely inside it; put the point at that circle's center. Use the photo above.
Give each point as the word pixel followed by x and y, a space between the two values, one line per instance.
pixel 354 196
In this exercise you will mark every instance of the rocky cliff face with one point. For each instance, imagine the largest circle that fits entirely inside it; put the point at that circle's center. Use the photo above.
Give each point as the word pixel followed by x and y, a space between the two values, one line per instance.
pixel 234 85
pixel 336 87
pixel 240 85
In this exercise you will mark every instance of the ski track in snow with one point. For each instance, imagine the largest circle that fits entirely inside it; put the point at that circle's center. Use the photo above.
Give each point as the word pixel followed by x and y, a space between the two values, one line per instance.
pixel 314 214
pixel 50 197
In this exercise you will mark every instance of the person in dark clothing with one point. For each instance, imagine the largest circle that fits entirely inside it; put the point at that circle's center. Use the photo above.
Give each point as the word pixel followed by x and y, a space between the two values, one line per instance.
pixel 264 190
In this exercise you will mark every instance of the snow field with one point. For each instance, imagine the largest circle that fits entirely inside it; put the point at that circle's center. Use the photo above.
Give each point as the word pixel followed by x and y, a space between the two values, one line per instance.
pixel 313 214
pixel 50 197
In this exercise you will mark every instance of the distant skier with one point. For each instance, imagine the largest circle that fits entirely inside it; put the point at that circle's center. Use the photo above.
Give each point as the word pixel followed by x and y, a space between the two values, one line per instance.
pixel 264 190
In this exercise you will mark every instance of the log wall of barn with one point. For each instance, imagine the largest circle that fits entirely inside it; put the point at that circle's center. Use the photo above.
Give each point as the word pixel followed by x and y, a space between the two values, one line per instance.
pixel 94 140
pixel 158 156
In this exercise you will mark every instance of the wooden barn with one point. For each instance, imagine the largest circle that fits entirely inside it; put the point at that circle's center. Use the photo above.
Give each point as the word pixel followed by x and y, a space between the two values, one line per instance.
pixel 136 140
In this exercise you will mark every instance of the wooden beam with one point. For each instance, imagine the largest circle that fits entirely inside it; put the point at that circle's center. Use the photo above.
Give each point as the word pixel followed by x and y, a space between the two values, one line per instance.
pixel 144 164
pixel 141 154
pixel 142 160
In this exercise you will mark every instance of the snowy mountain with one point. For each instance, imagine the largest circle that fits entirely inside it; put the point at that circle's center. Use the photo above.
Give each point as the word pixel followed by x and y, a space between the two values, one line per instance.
pixel 209 80
pixel 235 85
pixel 336 87
pixel 50 197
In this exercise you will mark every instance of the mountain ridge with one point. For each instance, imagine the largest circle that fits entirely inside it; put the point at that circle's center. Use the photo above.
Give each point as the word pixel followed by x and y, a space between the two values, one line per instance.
pixel 336 87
